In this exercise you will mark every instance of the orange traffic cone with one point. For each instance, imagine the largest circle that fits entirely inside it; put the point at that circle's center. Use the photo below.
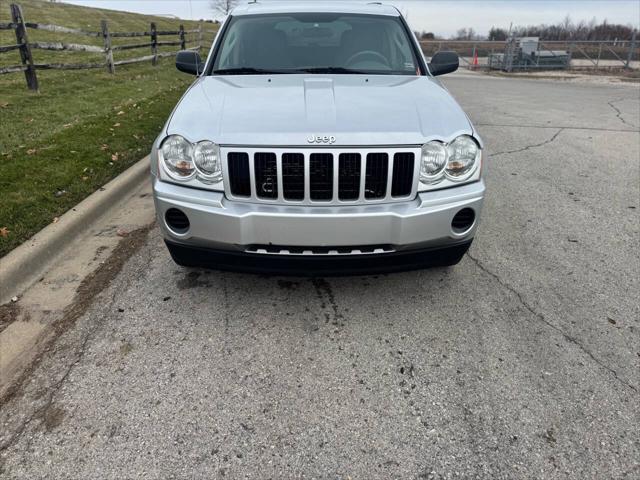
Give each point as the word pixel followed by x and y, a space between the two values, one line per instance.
pixel 475 60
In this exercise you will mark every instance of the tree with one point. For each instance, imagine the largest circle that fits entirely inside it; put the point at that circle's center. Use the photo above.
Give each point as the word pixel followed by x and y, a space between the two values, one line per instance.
pixel 223 7
pixel 461 34
pixel 497 34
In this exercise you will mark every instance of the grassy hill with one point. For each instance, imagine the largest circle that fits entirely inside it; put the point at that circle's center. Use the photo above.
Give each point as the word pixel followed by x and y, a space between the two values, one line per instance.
pixel 84 127
pixel 88 19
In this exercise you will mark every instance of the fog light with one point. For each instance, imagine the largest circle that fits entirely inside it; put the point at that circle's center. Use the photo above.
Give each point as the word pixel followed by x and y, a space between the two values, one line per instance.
pixel 177 220
pixel 463 220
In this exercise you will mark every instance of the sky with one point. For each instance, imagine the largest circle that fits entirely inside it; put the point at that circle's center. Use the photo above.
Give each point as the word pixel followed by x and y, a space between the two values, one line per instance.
pixel 441 17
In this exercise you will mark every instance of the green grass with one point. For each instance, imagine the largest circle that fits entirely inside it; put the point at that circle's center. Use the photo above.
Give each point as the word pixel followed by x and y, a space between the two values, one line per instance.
pixel 81 130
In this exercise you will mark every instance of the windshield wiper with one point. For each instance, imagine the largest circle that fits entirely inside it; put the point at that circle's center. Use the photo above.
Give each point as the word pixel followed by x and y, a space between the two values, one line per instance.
pixel 331 70
pixel 267 71
pixel 250 71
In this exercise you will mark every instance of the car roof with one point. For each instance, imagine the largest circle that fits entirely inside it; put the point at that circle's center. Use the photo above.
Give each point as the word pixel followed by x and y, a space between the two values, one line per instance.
pixel 371 8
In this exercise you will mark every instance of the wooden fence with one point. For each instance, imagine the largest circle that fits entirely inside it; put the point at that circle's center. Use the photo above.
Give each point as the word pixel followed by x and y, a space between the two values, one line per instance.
pixel 29 67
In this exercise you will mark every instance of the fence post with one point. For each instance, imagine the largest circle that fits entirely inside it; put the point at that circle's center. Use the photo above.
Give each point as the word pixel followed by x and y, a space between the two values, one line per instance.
pixel 25 49
pixel 154 44
pixel 199 36
pixel 183 43
pixel 632 47
pixel 107 46
pixel 572 47
pixel 474 59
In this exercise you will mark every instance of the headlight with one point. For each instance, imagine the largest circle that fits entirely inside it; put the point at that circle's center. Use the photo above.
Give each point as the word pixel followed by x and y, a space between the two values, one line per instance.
pixel 206 156
pixel 177 154
pixel 434 160
pixel 445 165
pixel 463 152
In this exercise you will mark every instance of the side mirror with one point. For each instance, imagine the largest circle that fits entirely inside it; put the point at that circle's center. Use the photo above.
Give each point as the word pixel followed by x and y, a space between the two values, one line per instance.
pixel 188 61
pixel 443 62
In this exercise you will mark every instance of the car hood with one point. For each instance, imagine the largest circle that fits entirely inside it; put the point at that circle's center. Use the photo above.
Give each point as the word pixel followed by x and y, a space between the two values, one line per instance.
pixel 286 110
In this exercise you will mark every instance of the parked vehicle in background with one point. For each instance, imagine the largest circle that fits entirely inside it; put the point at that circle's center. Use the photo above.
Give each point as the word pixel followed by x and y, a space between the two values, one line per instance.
pixel 316 139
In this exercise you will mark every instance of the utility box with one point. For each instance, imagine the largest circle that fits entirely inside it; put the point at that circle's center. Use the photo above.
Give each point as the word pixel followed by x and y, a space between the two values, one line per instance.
pixel 529 45
pixel 527 53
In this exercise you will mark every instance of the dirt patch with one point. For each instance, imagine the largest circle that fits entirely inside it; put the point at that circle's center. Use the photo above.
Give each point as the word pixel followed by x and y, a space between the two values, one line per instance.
pixel 192 280
pixel 125 349
pixel 84 297
pixel 52 418
pixel 9 313
pixel 288 285
pixel 550 436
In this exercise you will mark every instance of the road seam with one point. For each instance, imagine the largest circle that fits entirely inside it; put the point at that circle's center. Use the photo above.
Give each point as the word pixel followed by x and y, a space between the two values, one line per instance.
pixel 542 319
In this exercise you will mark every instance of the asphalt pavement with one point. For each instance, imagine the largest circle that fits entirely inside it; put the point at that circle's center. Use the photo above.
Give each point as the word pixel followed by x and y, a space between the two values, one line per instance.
pixel 521 362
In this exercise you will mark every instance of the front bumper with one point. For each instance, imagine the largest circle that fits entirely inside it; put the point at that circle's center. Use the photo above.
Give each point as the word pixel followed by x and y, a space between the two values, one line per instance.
pixel 220 224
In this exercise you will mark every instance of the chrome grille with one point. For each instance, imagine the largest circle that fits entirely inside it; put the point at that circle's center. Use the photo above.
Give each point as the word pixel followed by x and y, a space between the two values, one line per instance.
pixel 319 176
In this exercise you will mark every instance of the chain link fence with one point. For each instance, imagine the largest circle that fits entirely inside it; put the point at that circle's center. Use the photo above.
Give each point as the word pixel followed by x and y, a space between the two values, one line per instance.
pixel 530 53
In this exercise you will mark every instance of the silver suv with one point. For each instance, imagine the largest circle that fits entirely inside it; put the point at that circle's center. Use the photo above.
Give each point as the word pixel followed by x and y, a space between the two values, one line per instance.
pixel 316 140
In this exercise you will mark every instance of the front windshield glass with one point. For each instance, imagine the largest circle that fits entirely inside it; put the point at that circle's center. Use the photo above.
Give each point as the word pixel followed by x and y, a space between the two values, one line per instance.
pixel 315 43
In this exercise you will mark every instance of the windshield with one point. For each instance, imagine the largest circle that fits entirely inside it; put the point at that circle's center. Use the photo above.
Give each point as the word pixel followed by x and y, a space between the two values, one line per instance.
pixel 315 43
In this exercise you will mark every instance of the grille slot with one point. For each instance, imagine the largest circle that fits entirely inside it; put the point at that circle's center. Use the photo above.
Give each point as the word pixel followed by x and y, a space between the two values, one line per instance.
pixel 402 174
pixel 293 176
pixel 266 174
pixel 376 175
pixel 239 177
pixel 321 176
pixel 349 176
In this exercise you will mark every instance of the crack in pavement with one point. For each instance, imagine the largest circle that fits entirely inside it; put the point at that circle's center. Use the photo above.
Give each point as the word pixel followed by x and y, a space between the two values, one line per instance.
pixel 528 147
pixel 590 129
pixel 619 112
pixel 542 319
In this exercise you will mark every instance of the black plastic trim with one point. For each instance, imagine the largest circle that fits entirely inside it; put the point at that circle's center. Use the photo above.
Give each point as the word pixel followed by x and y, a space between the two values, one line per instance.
pixel 315 266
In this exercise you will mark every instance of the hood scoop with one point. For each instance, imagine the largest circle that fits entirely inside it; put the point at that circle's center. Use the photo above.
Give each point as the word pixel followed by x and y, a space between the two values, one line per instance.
pixel 320 103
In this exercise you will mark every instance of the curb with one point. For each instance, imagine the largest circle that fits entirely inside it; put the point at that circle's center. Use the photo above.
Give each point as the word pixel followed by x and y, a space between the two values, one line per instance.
pixel 22 266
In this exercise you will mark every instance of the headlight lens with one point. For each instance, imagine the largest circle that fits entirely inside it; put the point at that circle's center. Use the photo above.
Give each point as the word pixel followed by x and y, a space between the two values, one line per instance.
pixel 434 160
pixel 177 153
pixel 463 152
pixel 206 156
